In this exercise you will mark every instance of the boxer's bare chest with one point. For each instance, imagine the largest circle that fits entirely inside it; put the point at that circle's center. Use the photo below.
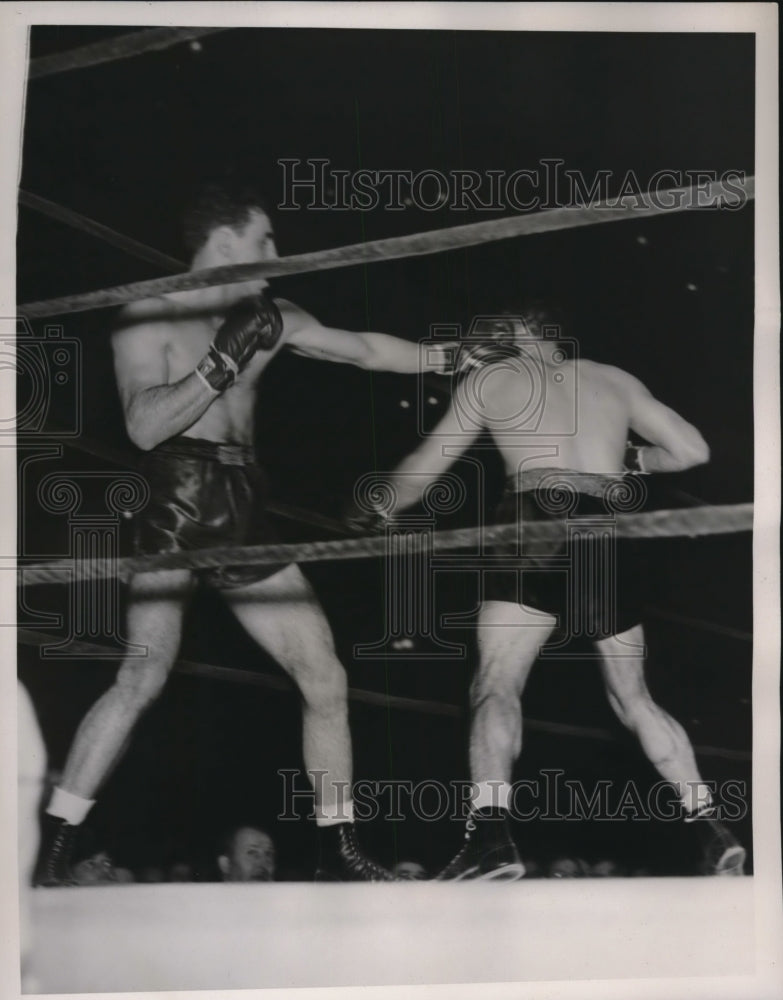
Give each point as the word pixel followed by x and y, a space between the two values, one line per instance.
pixel 230 416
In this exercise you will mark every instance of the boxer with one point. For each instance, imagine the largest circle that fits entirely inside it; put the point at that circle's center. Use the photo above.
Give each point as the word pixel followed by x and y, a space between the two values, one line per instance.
pixel 556 422
pixel 188 368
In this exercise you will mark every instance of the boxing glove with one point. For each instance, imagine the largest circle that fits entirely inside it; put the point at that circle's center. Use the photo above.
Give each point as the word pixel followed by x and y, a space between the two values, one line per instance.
pixel 482 354
pixel 252 324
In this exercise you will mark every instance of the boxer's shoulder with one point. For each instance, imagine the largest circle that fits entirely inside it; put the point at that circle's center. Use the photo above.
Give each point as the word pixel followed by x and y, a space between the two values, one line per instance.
pixel 155 320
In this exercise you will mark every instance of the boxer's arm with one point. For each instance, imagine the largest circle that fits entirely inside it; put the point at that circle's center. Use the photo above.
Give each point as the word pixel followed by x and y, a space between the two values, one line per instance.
pixel 454 434
pixel 154 411
pixel 674 444
pixel 305 335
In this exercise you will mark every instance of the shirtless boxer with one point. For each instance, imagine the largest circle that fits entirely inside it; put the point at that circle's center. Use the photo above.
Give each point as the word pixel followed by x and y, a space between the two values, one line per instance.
pixel 551 418
pixel 188 367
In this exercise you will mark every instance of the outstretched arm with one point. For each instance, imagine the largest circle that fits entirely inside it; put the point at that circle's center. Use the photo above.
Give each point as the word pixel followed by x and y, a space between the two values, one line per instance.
pixel 374 351
pixel 674 444
pixel 454 434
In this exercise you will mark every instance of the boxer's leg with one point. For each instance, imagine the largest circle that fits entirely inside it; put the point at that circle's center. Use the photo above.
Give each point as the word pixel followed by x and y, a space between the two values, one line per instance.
pixel 282 614
pixel 666 745
pixel 662 738
pixel 155 610
pixel 509 639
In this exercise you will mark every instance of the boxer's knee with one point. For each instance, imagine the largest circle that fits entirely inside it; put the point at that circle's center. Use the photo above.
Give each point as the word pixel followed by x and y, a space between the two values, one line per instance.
pixel 140 682
pixel 325 687
pixel 493 680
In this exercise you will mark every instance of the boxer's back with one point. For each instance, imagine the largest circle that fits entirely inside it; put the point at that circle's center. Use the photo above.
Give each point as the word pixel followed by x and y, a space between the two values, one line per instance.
pixel 574 414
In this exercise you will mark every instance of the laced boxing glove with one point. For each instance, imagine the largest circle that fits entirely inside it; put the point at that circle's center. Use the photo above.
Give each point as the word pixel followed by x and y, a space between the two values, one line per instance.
pixel 252 324
pixel 460 357
pixel 493 341
pixel 480 355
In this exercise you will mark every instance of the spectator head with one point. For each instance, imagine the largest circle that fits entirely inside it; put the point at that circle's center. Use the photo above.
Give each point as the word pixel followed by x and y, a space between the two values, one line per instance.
pixel 532 868
pixel 247 854
pixel 124 876
pixel 152 873
pixel 95 869
pixel 567 868
pixel 410 871
pixel 181 871
pixel 606 868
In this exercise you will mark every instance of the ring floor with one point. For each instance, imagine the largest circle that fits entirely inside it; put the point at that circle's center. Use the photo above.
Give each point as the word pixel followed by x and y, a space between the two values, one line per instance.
pixel 217 937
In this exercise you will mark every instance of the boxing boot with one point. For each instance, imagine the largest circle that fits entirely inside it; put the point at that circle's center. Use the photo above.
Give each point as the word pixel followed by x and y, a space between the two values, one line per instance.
pixel 341 859
pixel 488 851
pixel 57 843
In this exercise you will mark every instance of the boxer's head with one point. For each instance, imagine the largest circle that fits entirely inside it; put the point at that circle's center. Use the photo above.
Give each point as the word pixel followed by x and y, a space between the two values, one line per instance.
pixel 227 222
pixel 533 319
pixel 518 323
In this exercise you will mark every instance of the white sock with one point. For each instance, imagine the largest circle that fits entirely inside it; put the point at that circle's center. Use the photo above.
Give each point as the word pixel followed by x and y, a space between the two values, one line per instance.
pixel 490 795
pixel 72 808
pixel 696 799
pixel 336 812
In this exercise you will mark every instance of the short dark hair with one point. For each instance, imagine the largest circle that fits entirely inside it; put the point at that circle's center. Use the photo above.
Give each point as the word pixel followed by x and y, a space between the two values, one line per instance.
pixel 219 202
pixel 536 314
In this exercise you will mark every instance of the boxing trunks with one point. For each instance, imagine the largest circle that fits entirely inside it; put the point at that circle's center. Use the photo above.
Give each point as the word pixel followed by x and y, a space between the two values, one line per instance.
pixel 587 578
pixel 205 495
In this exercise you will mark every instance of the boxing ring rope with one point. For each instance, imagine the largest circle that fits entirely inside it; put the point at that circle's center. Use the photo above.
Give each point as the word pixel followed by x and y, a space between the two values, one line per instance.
pixel 665 615
pixel 120 47
pixel 302 515
pixel 690 522
pixel 270 682
pixel 109 236
pixel 628 207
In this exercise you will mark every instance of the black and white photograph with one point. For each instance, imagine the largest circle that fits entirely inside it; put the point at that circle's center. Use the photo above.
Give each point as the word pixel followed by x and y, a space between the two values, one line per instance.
pixel 390 441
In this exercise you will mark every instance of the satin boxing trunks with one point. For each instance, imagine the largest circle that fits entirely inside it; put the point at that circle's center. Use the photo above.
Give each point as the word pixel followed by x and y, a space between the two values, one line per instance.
pixel 205 495
pixel 590 580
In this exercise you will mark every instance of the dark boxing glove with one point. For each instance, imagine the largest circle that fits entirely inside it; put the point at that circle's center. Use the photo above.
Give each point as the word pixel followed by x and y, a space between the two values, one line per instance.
pixel 251 325
pixel 495 342
pixel 482 354
pixel 460 357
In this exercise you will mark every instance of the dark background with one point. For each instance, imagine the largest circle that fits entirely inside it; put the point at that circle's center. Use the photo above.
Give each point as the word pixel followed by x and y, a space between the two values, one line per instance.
pixel 669 299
